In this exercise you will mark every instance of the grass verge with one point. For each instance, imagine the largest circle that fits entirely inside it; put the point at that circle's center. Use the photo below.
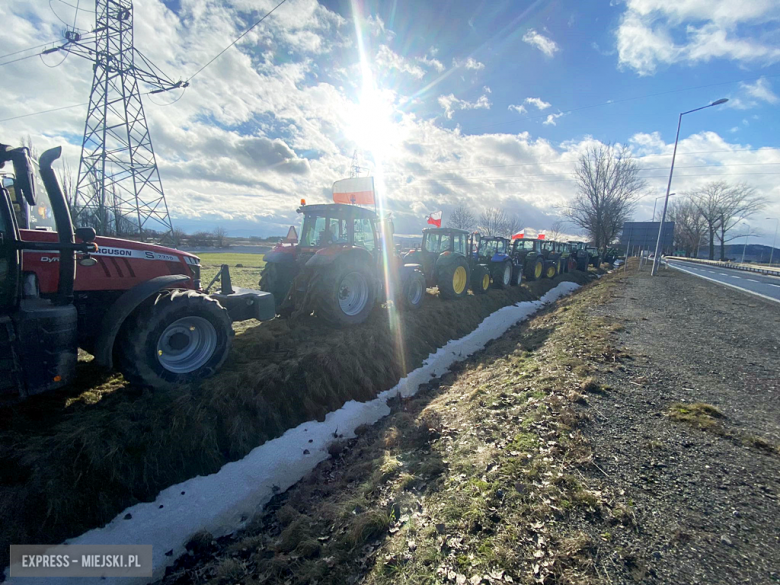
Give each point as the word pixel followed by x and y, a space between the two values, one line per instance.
pixel 72 460
pixel 476 479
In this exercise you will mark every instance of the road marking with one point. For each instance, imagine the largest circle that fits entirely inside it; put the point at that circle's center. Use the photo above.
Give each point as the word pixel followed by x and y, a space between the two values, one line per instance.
pixel 744 290
pixel 752 279
pixel 732 276
pixel 722 273
pixel 773 284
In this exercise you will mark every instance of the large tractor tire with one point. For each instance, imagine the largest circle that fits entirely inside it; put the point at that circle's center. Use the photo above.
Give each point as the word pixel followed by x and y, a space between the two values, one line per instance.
pixel 582 264
pixel 502 275
pixel 184 336
pixel 480 280
pixel 276 279
pixel 453 280
pixel 414 291
pixel 534 270
pixel 517 276
pixel 344 294
pixel 551 269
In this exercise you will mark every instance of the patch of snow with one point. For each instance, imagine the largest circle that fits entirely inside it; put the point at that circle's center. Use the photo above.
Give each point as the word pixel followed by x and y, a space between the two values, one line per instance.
pixel 224 501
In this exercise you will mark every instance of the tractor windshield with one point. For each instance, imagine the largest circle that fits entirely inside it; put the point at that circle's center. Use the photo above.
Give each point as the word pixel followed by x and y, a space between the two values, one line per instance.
pixel 525 244
pixel 490 247
pixel 319 231
pixel 436 242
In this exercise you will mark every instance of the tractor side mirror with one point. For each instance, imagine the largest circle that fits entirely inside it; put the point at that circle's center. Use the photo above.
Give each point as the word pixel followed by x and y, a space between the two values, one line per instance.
pixel 86 234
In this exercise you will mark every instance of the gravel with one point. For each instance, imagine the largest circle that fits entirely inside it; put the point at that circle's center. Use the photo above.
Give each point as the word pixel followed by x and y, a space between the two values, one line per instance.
pixel 706 504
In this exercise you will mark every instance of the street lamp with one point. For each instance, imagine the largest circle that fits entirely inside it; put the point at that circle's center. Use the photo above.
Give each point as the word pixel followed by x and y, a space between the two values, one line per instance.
pixel 771 253
pixel 744 248
pixel 657 259
pixel 656 202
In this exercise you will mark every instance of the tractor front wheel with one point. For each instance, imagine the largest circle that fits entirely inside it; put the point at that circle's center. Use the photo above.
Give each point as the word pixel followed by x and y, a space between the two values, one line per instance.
pixel 535 269
pixel 480 280
pixel 346 295
pixel 551 270
pixel 182 337
pixel 453 280
pixel 414 290
pixel 517 276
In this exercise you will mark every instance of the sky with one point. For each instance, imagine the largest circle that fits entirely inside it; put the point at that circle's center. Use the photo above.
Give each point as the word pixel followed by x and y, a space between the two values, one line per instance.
pixel 446 103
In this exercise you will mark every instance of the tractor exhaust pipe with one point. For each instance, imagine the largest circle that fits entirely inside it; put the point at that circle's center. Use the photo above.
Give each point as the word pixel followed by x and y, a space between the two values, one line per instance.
pixel 61 213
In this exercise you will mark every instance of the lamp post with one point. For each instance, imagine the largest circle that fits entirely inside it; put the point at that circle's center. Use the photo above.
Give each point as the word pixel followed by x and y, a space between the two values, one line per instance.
pixel 657 259
pixel 656 202
pixel 772 251
pixel 744 248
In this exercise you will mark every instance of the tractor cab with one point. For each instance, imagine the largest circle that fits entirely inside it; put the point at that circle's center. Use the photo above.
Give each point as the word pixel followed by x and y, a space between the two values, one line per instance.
pixel 493 252
pixel 339 269
pixel 39 342
pixel 492 246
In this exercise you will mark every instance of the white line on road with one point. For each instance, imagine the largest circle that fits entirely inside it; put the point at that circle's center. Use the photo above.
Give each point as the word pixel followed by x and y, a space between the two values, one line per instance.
pixel 732 276
pixel 722 273
pixel 752 280
pixel 773 284
pixel 750 292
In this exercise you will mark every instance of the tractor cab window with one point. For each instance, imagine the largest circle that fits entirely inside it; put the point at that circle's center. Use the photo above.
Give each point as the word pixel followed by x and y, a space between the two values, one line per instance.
pixel 337 231
pixel 436 242
pixel 500 247
pixel 459 243
pixel 487 247
pixel 364 234
pixel 526 244
pixel 548 246
pixel 313 232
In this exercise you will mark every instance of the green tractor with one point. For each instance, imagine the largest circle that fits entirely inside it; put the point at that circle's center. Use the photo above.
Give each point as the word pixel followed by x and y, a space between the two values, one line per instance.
pixel 343 265
pixel 584 255
pixel 447 262
pixel 528 255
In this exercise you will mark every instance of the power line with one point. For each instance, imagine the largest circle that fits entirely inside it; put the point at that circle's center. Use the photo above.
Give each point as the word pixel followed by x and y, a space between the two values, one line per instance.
pixel 241 36
pixel 27 49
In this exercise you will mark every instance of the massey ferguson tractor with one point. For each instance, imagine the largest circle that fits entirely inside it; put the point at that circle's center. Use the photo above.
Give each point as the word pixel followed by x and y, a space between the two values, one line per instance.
pixel 446 258
pixel 493 253
pixel 132 305
pixel 343 265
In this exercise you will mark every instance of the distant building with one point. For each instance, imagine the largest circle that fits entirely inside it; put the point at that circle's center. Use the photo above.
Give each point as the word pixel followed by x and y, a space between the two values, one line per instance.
pixel 643 235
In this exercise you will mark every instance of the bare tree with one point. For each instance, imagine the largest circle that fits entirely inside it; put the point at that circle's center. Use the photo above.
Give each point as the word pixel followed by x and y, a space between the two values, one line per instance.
pixel 220 237
pixel 690 228
pixel 512 225
pixel 608 186
pixel 67 181
pixel 492 222
pixel 556 231
pixel 462 218
pixel 723 206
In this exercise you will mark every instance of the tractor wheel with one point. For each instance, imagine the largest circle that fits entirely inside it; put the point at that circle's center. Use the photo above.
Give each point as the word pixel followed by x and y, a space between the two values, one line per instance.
pixel 535 269
pixel 414 291
pixel 582 264
pixel 480 280
pixel 453 280
pixel 182 337
pixel 345 295
pixel 502 275
pixel 517 276
pixel 277 279
pixel 551 270
pixel 571 265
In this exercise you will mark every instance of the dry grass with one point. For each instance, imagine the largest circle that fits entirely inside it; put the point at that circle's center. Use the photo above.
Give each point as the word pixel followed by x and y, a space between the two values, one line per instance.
pixel 477 475
pixel 72 460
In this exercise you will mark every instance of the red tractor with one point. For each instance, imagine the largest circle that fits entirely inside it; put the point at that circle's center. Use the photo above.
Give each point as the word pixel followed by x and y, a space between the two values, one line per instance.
pixel 132 305
pixel 343 265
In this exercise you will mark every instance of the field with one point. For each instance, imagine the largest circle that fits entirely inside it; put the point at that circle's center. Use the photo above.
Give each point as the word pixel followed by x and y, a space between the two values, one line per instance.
pixel 246 276
pixel 71 460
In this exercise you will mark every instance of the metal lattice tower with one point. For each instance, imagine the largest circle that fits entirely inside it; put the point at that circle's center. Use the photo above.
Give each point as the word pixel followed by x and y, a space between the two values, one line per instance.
pixel 119 191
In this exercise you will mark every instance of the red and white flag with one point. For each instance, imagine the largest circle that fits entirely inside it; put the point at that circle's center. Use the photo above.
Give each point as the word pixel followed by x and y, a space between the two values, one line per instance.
pixel 435 219
pixel 518 236
pixel 355 191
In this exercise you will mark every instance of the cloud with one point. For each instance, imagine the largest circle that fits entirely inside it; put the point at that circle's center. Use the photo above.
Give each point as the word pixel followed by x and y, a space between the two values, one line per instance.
pixel 664 32
pixel 451 104
pixel 386 57
pixel 550 121
pixel 538 103
pixel 546 45
pixel 520 109
pixel 753 95
pixel 432 63
pixel 469 63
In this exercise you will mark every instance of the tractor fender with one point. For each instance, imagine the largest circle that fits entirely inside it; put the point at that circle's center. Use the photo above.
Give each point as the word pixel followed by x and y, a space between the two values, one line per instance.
pixel 413 257
pixel 408 269
pixel 281 255
pixel 447 258
pixel 499 257
pixel 122 308
pixel 345 252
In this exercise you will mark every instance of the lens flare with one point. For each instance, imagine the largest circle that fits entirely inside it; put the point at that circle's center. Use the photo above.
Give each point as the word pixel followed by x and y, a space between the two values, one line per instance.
pixel 373 130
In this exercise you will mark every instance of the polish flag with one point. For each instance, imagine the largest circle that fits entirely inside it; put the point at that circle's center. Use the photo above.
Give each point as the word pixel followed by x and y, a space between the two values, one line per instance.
pixel 435 219
pixel 354 191
pixel 518 236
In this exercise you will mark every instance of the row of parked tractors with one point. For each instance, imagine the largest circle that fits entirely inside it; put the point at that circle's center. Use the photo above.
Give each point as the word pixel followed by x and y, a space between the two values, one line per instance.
pixel 142 308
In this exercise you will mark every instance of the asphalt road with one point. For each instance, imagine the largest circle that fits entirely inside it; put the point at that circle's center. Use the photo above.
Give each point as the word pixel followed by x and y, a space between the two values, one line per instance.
pixel 767 287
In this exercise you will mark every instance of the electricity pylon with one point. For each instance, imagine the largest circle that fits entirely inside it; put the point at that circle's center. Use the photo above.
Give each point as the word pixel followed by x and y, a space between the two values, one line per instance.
pixel 118 191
